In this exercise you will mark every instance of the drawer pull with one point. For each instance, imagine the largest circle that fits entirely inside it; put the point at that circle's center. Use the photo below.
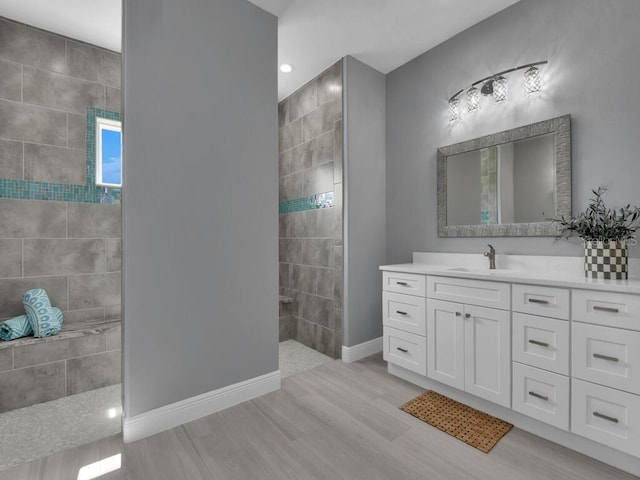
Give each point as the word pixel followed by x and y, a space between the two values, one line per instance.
pixel 458 314
pixel 538 342
pixel 404 284
pixel 606 357
pixel 403 350
pixel 401 313
pixel 605 309
pixel 541 397
pixel 605 417
pixel 538 300
pixel 467 315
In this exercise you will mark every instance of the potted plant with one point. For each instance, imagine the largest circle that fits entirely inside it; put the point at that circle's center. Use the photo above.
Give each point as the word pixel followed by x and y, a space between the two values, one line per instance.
pixel 605 232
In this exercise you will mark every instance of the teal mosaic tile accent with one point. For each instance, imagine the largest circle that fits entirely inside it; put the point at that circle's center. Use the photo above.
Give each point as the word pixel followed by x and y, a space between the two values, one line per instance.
pixel 62 192
pixel 312 202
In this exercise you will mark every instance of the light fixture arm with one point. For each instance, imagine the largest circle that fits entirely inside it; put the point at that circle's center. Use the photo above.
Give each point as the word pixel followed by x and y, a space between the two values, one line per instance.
pixel 495 75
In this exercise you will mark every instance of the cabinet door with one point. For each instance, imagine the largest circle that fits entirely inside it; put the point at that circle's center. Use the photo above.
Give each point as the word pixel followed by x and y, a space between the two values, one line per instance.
pixel 487 338
pixel 445 342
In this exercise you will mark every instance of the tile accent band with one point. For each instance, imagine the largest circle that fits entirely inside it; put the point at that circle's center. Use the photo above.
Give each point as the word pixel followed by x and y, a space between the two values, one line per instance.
pixel 312 202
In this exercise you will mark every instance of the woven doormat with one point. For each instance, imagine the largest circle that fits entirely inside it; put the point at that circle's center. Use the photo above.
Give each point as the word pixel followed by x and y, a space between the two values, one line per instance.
pixel 472 426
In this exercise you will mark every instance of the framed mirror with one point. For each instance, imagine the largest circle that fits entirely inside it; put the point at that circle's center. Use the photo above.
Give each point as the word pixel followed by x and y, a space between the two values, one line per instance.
pixel 507 183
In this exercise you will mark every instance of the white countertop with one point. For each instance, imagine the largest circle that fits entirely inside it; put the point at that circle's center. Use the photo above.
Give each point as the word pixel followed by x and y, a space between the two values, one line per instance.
pixel 530 269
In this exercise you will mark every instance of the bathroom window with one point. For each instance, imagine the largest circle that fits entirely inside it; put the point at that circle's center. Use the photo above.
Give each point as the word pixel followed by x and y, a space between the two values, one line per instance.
pixel 108 152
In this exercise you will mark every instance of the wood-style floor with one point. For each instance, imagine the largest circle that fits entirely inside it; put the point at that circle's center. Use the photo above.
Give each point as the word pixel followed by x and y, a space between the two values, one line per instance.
pixel 337 421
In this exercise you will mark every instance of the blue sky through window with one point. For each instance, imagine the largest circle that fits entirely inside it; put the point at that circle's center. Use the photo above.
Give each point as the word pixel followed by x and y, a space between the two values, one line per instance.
pixel 111 157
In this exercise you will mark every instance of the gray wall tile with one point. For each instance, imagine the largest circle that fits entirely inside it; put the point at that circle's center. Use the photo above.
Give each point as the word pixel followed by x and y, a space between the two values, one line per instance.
pixel 93 371
pixel 12 290
pixel 32 218
pixel 31 385
pixel 114 339
pixel 320 120
pixel 29 46
pixel 54 349
pixel 63 256
pixel 338 287
pixel 114 100
pixel 317 251
pixel 77 131
pixel 32 124
pixel 290 250
pixel 290 135
pixel 77 319
pixel 112 312
pixel 11 165
pixel 304 332
pixel 10 81
pixel 94 290
pixel 284 328
pixel 284 274
pixel 324 282
pixel 283 113
pixel 44 163
pixel 10 257
pixel 6 359
pixel 93 63
pixel 95 220
pixel 316 309
pixel 338 153
pixel 325 341
pixel 303 101
pixel 330 84
pixel 114 254
pixel 66 93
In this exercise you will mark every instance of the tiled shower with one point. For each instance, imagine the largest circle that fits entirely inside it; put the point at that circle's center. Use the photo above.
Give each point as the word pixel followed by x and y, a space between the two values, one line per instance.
pixel 58 231
pixel 311 227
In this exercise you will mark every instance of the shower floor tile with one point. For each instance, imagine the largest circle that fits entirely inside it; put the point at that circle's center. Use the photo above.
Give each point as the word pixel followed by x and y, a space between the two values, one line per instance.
pixel 40 430
pixel 296 357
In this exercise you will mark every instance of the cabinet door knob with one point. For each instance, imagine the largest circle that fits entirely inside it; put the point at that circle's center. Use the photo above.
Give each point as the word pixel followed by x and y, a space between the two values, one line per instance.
pixel 458 314
pixel 467 315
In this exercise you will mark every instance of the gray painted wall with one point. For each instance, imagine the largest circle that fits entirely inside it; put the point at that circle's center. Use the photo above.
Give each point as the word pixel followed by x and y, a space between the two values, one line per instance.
pixel 200 206
pixel 591 46
pixel 364 200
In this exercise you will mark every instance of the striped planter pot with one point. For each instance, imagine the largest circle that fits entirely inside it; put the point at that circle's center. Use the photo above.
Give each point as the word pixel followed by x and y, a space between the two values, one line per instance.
pixel 605 259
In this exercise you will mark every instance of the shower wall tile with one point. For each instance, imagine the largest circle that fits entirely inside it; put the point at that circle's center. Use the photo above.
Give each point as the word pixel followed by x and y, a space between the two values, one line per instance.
pixel 291 135
pixel 112 312
pixel 95 220
pixel 77 131
pixel 12 290
pixel 11 257
pixel 330 84
pixel 11 164
pixel 283 113
pixel 316 309
pixel 337 151
pixel 113 100
pixel 325 341
pixel 114 254
pixel 31 385
pixel 6 359
pixel 93 63
pixel 303 101
pixel 44 163
pixel 63 256
pixel 114 339
pixel 320 120
pixel 57 349
pixel 30 123
pixel 32 218
pixel 29 46
pixel 77 319
pixel 93 371
pixel 318 252
pixel 10 81
pixel 94 290
pixel 61 92
pixel 304 332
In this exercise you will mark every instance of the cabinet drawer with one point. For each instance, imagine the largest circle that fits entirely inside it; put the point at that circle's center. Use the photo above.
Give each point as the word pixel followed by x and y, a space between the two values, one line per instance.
pixel 541 342
pixel 404 312
pixel 541 395
pixel 405 350
pixel 474 292
pixel 606 308
pixel 609 356
pixel 545 301
pixel 407 283
pixel 606 416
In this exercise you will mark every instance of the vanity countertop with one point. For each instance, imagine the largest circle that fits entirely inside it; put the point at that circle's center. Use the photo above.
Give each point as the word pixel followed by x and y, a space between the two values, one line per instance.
pixel 534 270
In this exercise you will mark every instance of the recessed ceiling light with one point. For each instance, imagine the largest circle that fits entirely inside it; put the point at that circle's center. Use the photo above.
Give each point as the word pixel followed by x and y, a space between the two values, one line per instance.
pixel 286 68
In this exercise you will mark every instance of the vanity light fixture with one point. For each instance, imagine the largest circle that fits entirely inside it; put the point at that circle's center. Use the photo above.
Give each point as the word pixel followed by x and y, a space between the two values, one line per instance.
pixel 286 68
pixel 497 86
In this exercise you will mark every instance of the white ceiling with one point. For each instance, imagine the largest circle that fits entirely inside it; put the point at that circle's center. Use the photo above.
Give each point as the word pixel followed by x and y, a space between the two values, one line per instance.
pixel 312 34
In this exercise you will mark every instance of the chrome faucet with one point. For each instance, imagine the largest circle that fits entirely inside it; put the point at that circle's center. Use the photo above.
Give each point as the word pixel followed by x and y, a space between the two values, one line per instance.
pixel 491 255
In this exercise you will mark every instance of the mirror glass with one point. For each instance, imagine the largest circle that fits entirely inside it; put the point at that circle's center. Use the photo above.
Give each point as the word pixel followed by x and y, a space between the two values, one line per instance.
pixel 506 184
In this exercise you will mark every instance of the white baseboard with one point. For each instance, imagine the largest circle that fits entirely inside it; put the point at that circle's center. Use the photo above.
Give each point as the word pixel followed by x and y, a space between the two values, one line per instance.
pixel 362 350
pixel 169 416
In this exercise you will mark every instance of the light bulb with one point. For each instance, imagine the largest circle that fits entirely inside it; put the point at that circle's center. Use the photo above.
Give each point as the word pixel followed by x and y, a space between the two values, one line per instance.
pixel 473 100
pixel 532 81
pixel 454 109
pixel 500 88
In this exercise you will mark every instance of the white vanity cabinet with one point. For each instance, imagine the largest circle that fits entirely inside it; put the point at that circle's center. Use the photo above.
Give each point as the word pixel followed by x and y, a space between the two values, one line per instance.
pixel 404 321
pixel 469 346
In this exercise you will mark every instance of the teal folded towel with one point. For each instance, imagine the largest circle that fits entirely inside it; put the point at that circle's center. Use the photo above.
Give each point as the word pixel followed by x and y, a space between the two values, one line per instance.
pixel 19 327
pixel 40 313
